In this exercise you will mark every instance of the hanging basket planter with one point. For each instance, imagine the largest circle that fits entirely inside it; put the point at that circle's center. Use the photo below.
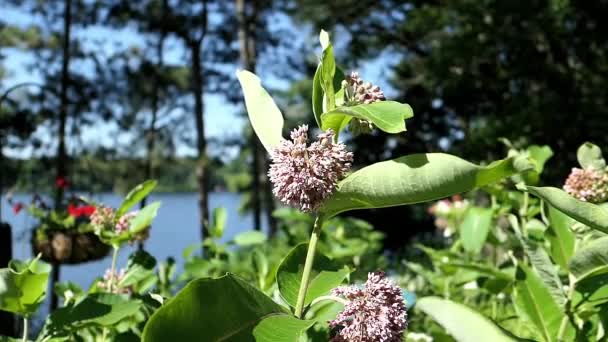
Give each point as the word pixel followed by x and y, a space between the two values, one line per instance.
pixel 67 246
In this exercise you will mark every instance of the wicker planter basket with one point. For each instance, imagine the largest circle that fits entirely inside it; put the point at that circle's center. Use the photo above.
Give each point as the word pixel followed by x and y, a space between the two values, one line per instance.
pixel 68 247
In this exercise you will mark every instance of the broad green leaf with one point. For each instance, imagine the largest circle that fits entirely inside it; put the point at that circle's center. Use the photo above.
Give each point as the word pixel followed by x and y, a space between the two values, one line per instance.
pixel 590 156
pixel 140 268
pixel 461 322
pixel 325 275
pixel 388 116
pixel 250 238
pixel 586 213
pixel 534 300
pixel 593 291
pixel 281 328
pixel 222 309
pixel 414 179
pixel 474 228
pixel 23 286
pixel 98 309
pixel 134 196
pixel 560 237
pixel 266 118
pixel 220 216
pixel 144 218
pixel 547 271
pixel 591 259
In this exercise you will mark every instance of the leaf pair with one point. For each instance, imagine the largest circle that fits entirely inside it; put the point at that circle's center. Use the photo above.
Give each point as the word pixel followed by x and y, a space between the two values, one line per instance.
pixel 23 286
pixel 267 120
pixel 229 309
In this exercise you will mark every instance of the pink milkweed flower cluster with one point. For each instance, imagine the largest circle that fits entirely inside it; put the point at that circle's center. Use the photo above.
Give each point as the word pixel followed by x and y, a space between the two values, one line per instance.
pixel 374 313
pixel 110 282
pixel 587 185
pixel 102 217
pixel 305 175
pixel 124 222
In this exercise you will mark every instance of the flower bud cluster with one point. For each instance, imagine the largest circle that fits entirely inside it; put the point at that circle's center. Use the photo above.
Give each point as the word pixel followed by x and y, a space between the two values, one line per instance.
pixel 124 222
pixel 111 280
pixel 357 91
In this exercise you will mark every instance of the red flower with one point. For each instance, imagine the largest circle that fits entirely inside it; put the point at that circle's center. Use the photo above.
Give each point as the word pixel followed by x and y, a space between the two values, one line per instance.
pixel 17 207
pixel 61 182
pixel 83 210
pixel 87 210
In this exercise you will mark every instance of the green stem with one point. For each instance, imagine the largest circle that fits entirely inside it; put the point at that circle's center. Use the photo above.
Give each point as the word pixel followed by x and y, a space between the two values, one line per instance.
pixel 310 258
pixel 568 316
pixel 25 328
pixel 113 268
pixel 332 298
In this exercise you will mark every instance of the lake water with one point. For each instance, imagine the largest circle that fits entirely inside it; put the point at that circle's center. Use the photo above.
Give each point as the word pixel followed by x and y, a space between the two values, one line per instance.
pixel 175 228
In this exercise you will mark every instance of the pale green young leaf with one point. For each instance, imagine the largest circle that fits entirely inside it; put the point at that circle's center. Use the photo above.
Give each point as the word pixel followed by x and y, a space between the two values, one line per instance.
pixel 134 196
pixel 281 328
pixel 560 236
pixel 475 228
pixel 144 218
pixel 220 216
pixel 590 157
pixel 23 286
pixel 388 116
pixel 266 118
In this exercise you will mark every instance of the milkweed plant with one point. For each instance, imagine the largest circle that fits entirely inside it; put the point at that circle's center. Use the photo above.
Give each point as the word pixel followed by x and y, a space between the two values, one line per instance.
pixel 518 260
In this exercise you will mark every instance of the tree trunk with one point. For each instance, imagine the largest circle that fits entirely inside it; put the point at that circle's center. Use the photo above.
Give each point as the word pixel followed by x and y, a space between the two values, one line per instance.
pixel 61 167
pixel 247 56
pixel 261 193
pixel 7 320
pixel 151 132
pixel 201 140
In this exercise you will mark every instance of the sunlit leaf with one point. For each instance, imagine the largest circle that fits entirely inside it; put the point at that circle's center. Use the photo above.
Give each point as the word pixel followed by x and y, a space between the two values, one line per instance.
pixel 266 118
pixel 591 259
pixel 222 309
pixel 474 228
pixel 281 328
pixel 134 196
pixel 325 275
pixel 560 236
pixel 461 322
pixel 590 156
pixel 414 179
pixel 23 286
pixel 584 212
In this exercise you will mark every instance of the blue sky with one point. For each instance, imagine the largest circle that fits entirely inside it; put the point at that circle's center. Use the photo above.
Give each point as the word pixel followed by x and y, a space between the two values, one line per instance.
pixel 221 117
